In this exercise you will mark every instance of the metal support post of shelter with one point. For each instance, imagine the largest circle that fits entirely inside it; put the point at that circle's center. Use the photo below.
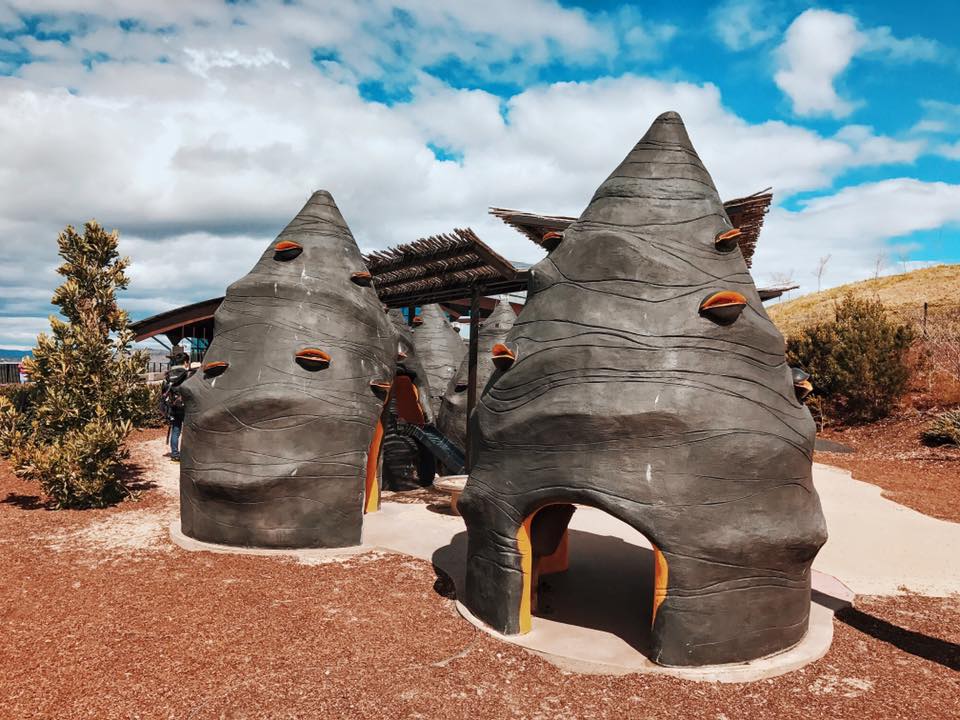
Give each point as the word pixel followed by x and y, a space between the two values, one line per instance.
pixel 475 293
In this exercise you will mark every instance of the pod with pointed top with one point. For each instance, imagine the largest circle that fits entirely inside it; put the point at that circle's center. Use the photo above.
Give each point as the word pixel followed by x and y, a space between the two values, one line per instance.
pixel 362 278
pixel 503 357
pixel 551 240
pixel 632 402
pixel 312 359
pixel 801 383
pixel 286 250
pixel 213 369
pixel 727 241
pixel 723 307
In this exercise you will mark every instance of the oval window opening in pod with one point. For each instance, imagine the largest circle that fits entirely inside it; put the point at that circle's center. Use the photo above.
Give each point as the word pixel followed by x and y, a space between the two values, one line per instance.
pixel 401 355
pixel 727 241
pixel 312 359
pixel 503 357
pixel 362 278
pixel 801 383
pixel 286 250
pixel 459 387
pixel 551 240
pixel 418 320
pixel 723 307
pixel 380 388
pixel 213 369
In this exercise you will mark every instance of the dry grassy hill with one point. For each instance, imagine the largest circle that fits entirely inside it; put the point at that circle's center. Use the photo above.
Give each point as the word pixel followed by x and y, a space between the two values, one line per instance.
pixel 904 295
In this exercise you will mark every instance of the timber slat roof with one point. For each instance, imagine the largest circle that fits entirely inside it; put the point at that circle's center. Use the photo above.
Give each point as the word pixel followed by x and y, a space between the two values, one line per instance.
pixel 746 213
pixel 441 267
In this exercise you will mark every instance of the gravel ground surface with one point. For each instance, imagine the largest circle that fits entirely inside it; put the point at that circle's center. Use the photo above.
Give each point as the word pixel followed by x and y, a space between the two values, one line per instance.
pixel 889 454
pixel 102 617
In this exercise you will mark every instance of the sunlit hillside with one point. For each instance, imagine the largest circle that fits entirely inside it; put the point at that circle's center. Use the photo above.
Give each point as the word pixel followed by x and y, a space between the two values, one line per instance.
pixel 903 294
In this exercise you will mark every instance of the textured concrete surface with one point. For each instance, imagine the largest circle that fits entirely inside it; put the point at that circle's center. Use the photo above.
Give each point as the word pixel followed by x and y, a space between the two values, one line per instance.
pixel 280 421
pixel 648 382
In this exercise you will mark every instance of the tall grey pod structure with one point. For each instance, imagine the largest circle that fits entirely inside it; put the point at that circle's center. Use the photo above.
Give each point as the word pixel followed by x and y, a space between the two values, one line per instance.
pixel 403 459
pixel 282 423
pixel 452 418
pixel 440 348
pixel 644 378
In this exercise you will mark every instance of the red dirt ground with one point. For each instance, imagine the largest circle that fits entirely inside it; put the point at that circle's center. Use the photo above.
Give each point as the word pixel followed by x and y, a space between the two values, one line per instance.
pixel 889 454
pixel 95 625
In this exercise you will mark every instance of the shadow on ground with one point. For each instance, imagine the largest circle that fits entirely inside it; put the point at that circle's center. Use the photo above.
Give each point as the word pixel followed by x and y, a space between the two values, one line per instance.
pixel 24 502
pixel 930 648
pixel 608 586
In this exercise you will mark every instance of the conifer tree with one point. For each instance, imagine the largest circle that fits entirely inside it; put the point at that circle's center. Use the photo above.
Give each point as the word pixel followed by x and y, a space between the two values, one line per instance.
pixel 86 383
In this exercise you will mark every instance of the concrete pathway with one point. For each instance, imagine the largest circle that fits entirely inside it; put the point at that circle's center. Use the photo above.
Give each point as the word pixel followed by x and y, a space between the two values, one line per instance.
pixel 591 625
pixel 877 547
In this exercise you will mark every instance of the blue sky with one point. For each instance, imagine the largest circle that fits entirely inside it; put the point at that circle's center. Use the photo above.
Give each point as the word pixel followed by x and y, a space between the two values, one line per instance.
pixel 197 129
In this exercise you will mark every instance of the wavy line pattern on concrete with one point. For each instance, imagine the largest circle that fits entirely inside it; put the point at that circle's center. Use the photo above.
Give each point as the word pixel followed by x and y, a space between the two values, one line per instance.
pixel 275 447
pixel 632 394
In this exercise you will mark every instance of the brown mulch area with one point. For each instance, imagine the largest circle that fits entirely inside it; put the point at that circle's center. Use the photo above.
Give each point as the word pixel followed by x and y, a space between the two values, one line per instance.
pixel 889 454
pixel 163 633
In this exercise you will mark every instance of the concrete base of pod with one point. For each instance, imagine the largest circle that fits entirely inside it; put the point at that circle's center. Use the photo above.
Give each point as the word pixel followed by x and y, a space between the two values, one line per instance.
pixel 591 618
pixel 592 651
pixel 305 554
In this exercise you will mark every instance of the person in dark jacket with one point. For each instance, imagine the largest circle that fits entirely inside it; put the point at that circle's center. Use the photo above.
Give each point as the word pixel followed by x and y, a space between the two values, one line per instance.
pixel 171 400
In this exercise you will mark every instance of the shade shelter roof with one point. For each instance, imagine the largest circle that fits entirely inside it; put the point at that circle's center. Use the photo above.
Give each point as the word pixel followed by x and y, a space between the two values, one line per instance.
pixel 441 268
pixel 746 213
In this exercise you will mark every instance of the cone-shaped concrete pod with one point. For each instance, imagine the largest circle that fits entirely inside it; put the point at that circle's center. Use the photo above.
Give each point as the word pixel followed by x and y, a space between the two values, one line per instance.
pixel 410 403
pixel 452 418
pixel 275 446
pixel 441 350
pixel 626 397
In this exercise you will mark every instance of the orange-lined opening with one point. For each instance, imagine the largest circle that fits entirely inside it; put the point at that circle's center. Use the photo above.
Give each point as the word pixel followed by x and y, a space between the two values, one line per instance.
pixel 803 388
pixel 532 568
pixel 380 387
pixel 312 358
pixel 503 356
pixel 371 494
pixel 286 250
pixel 660 576
pixel 212 369
pixel 727 240
pixel 726 298
pixel 551 239
pixel 362 278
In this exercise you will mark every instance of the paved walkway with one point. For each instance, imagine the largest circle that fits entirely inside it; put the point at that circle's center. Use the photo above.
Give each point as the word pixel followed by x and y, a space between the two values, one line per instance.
pixel 878 547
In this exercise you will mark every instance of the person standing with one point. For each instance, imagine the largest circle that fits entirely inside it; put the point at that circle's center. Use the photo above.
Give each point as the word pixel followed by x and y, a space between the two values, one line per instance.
pixel 171 399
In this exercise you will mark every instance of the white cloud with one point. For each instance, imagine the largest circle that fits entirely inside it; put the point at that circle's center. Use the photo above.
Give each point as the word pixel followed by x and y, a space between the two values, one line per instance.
pixel 200 160
pixel 855 226
pixel 743 24
pixel 881 40
pixel 818 47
